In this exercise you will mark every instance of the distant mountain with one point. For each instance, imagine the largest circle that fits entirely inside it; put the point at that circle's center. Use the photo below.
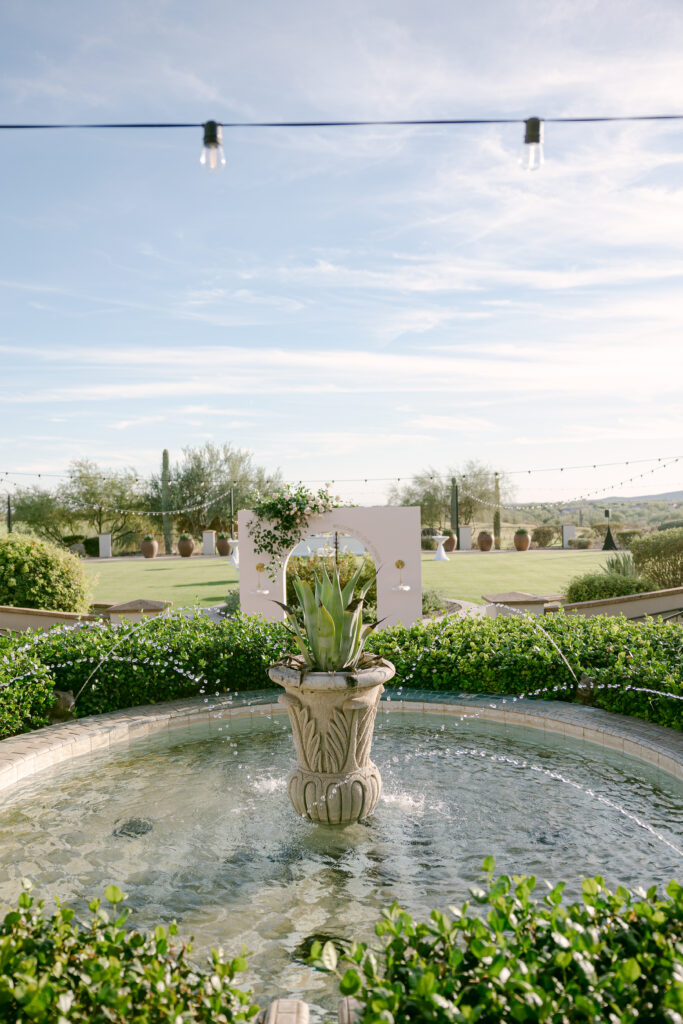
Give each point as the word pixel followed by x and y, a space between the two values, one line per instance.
pixel 667 496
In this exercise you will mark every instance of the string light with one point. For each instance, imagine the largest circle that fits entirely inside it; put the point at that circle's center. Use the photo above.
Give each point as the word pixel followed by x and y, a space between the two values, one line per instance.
pixel 213 156
pixel 532 153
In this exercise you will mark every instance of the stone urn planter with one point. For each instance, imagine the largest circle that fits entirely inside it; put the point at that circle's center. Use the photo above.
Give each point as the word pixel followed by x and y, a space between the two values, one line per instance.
pixel 185 546
pixel 484 541
pixel 150 547
pixel 522 541
pixel 333 719
pixel 451 543
pixel 223 546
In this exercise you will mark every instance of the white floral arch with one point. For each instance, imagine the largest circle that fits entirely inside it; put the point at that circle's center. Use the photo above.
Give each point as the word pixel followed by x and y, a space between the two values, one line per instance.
pixel 390 534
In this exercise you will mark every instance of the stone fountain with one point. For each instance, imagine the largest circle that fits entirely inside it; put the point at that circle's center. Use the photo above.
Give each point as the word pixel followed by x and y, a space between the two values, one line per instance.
pixel 333 718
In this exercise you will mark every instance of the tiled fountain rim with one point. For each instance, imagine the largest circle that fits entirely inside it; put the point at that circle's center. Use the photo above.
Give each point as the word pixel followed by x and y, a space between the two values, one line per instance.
pixel 23 756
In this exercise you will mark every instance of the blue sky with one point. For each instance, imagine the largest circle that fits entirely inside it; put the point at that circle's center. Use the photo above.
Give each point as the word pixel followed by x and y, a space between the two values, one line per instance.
pixel 344 303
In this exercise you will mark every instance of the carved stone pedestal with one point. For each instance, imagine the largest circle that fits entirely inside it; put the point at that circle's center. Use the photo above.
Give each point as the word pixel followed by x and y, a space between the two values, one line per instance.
pixel 333 718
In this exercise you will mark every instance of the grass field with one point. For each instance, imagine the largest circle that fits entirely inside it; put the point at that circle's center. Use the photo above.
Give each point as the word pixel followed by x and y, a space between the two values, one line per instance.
pixel 467 575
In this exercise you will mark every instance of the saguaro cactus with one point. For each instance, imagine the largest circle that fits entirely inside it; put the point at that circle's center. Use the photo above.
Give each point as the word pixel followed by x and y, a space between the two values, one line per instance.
pixel 166 519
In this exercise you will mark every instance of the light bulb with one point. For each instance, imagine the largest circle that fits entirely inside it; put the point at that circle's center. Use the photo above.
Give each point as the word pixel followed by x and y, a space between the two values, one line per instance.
pixel 532 151
pixel 212 156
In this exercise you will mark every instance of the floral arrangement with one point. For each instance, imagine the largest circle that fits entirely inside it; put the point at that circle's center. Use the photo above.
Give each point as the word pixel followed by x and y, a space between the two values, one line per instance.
pixel 282 519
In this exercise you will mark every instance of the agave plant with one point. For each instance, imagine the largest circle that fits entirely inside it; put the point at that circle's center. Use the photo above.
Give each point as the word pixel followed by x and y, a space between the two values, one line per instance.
pixel 333 620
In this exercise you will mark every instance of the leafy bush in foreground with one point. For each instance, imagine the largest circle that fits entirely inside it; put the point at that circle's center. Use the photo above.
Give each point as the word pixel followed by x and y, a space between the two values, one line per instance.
pixel 35 574
pixel 600 585
pixel 660 556
pixel 612 957
pixel 176 657
pixel 54 970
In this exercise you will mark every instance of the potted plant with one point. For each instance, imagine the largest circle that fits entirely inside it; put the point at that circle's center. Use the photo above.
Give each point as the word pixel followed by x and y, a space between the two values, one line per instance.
pixel 522 539
pixel 149 546
pixel 185 545
pixel 452 542
pixel 223 545
pixel 332 689
pixel 484 541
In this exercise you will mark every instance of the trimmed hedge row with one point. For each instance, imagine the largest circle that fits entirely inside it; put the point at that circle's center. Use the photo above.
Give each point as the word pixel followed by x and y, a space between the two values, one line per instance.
pixel 521 656
pixel 124 666
pixel 26 697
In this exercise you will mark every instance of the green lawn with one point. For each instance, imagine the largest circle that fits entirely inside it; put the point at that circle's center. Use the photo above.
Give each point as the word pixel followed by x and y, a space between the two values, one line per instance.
pixel 185 581
pixel 468 575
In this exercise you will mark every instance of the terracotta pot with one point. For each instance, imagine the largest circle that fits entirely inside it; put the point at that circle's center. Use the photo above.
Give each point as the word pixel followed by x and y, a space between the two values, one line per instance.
pixel 185 547
pixel 150 548
pixel 484 541
pixel 223 546
pixel 450 544
pixel 522 541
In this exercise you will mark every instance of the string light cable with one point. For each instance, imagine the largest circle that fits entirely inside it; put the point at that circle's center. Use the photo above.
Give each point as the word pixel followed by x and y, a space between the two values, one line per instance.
pixel 213 157
pixel 662 463
pixel 571 501
pixel 397 479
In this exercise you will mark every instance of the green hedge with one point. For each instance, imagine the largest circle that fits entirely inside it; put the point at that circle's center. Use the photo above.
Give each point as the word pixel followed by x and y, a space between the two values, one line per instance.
pixel 54 970
pixel 613 958
pixel 35 574
pixel 178 657
pixel 26 686
pixel 518 656
pixel 596 586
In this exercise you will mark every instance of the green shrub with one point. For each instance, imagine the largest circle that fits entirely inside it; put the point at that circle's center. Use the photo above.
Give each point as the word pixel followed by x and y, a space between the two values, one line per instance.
pixel 92 547
pixel 660 556
pixel 579 543
pixel 599 585
pixel 671 524
pixel 432 603
pixel 428 544
pixel 73 538
pixel 612 957
pixel 626 537
pixel 305 568
pixel 54 970
pixel 232 602
pixel 621 562
pixel 36 574
pixel 543 536
pixel 177 657
pixel 600 529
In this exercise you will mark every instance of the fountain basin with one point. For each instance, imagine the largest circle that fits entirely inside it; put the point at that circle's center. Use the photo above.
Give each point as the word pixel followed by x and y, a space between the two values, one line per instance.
pixel 194 823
